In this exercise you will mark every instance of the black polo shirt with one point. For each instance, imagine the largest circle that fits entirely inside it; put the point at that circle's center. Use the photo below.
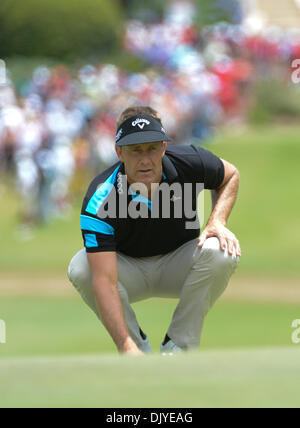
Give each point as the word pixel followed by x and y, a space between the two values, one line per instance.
pixel 115 218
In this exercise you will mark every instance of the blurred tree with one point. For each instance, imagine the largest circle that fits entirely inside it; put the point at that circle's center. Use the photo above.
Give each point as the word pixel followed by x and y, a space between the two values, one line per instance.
pixel 146 11
pixel 208 11
pixel 212 11
pixel 63 29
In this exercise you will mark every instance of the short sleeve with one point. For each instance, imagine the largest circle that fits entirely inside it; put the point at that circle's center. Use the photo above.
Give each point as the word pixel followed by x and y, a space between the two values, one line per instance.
pixel 209 168
pixel 98 235
pixel 98 231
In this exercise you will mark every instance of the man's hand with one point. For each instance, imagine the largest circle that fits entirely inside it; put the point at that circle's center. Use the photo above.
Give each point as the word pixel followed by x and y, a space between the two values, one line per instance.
pixel 130 348
pixel 226 237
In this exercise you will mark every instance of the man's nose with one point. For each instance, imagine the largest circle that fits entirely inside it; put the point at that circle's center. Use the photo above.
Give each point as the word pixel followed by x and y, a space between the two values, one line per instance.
pixel 144 159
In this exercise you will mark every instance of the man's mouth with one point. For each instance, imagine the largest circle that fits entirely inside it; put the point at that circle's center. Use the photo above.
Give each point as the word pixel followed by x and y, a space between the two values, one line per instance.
pixel 144 171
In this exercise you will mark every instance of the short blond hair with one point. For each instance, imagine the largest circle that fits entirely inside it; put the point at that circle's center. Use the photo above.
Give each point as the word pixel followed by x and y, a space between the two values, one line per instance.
pixel 134 110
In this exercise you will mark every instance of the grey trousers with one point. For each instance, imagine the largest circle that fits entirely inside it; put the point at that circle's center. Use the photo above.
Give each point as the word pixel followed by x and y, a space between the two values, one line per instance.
pixel 197 276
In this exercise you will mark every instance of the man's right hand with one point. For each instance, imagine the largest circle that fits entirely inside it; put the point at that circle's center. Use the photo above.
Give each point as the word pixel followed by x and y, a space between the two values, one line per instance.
pixel 130 348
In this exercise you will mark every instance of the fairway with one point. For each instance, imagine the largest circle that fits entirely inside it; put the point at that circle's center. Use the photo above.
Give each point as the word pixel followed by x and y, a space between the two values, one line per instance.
pixel 241 378
pixel 58 355
pixel 47 317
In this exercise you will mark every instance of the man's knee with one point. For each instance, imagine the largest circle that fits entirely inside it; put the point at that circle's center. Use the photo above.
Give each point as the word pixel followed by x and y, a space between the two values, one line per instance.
pixel 212 251
pixel 79 271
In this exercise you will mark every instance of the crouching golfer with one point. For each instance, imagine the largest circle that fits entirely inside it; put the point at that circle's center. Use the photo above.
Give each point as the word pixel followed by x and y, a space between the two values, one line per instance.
pixel 142 236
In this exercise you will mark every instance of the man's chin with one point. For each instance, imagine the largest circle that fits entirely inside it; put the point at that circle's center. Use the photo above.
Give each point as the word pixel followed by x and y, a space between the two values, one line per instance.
pixel 145 177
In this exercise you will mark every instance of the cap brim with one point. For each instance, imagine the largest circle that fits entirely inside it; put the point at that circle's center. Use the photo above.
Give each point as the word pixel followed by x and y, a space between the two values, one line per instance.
pixel 142 137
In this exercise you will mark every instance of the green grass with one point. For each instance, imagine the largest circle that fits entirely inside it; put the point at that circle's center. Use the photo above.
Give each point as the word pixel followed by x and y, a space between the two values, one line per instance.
pixel 52 247
pixel 265 218
pixel 58 355
pixel 66 326
pixel 266 215
pixel 227 378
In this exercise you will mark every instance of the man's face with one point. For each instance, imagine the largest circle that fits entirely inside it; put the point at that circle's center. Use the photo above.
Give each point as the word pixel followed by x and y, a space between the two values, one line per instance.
pixel 143 162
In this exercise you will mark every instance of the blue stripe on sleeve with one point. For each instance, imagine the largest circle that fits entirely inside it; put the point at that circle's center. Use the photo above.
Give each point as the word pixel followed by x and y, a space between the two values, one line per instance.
pixel 101 193
pixel 90 240
pixel 95 225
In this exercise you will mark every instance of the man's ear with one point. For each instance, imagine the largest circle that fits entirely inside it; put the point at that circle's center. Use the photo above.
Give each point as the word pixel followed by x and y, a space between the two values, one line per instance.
pixel 165 146
pixel 119 153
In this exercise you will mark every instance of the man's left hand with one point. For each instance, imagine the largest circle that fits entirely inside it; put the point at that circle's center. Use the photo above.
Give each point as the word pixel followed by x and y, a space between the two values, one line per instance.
pixel 226 237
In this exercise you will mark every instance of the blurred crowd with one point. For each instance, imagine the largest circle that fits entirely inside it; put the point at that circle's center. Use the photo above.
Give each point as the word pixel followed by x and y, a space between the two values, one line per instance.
pixel 58 129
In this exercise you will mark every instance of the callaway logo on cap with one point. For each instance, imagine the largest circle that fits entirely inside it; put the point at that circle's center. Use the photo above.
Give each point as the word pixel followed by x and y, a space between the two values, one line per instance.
pixel 141 123
pixel 139 129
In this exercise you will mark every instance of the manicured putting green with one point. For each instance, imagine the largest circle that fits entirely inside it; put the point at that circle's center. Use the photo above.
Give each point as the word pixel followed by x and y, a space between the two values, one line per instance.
pixel 225 378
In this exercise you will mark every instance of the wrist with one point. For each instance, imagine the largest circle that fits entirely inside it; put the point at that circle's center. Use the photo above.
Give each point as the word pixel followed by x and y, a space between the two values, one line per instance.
pixel 216 222
pixel 127 345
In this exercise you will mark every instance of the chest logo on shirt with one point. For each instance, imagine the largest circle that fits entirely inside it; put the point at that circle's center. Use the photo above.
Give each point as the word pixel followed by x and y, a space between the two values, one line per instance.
pixel 120 182
pixel 175 198
pixel 141 123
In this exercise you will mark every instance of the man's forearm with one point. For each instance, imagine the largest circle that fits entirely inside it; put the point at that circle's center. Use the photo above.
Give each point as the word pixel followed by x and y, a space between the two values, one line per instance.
pixel 223 200
pixel 111 311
